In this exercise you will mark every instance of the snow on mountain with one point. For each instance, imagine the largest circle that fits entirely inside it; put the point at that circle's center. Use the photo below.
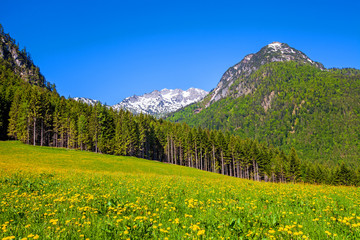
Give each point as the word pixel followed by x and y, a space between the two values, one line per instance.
pixel 86 100
pixel 159 103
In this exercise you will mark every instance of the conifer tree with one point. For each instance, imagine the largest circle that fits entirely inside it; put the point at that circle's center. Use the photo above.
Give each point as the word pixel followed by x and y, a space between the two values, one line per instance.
pixel 221 145
pixel 342 175
pixel 294 165
pixel 35 111
pixel 82 128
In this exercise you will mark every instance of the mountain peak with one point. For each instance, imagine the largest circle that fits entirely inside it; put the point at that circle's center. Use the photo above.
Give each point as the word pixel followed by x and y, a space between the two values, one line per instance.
pixel 157 103
pixel 161 102
pixel 275 45
pixel 20 61
pixel 86 100
pixel 273 52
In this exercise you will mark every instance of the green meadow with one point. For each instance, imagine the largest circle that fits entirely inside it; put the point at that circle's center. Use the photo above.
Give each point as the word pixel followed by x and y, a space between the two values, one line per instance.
pixel 52 193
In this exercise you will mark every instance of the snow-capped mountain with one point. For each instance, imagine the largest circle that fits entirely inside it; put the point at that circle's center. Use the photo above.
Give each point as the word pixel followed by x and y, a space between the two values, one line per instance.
pixel 86 100
pixel 159 103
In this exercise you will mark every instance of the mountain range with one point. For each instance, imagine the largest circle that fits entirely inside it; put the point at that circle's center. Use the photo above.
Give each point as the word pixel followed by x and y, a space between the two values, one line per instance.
pixel 156 103
pixel 89 101
pixel 159 103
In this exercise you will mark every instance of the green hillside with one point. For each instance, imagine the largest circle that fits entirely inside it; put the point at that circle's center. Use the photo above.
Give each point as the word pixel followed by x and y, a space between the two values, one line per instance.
pixel 293 105
pixel 17 156
pixel 53 193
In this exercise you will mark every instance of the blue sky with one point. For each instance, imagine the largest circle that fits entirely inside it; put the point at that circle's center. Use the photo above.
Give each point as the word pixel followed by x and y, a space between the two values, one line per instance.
pixel 109 50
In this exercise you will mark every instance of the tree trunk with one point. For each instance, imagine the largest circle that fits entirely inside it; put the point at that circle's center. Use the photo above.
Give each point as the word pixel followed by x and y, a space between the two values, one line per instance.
pixel 34 132
pixel 168 149
pixel 42 133
pixel 196 157
pixel 205 162
pixel 233 167
pixel 222 162
pixel 181 157
pixel 254 170
pixel 28 132
pixel 238 169
pixel 172 150
pixel 214 167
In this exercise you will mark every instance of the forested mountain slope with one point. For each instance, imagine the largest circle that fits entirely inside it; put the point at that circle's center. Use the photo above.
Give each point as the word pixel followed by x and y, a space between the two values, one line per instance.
pixel 291 105
pixel 16 69
pixel 20 61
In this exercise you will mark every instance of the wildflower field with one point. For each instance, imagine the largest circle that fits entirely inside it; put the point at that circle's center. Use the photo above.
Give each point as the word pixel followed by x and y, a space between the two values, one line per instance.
pixel 48 193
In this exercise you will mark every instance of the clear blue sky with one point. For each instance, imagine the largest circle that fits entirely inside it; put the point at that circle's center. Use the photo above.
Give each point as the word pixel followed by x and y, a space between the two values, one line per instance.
pixel 109 50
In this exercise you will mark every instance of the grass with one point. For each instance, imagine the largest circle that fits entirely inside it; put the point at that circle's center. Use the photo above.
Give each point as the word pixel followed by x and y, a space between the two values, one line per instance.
pixel 17 156
pixel 48 193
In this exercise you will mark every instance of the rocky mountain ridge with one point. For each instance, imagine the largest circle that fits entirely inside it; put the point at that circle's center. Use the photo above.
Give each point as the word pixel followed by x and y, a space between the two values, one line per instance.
pixel 157 103
pixel 273 52
pixel 86 100
pixel 20 61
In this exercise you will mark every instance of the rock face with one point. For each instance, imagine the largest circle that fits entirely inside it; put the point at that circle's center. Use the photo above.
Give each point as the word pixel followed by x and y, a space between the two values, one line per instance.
pixel 159 103
pixel 20 60
pixel 274 52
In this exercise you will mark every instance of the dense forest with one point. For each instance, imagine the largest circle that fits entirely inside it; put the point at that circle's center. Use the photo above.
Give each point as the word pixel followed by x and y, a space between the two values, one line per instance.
pixel 36 114
pixel 292 105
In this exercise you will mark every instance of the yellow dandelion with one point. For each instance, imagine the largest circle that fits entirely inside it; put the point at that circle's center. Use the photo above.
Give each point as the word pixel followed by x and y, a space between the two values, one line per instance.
pixel 201 232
